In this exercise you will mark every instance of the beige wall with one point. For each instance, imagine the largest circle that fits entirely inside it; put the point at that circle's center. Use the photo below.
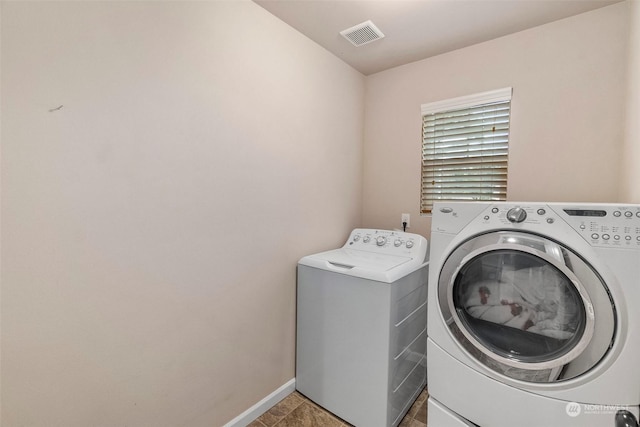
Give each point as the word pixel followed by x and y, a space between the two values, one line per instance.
pixel 631 153
pixel 152 224
pixel 568 80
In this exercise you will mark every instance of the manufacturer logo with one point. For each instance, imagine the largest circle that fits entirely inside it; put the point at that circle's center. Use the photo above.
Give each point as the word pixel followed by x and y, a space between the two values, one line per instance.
pixel 573 409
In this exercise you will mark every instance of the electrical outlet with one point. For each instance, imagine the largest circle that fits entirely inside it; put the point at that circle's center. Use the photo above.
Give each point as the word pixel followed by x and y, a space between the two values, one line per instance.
pixel 406 218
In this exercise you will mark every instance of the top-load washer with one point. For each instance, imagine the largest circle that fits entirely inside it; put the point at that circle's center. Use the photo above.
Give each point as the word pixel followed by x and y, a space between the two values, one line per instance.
pixel 361 326
pixel 532 314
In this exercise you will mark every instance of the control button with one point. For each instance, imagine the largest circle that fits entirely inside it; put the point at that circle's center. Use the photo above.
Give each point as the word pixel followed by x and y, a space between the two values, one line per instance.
pixel 366 239
pixel 638 238
pixel 627 237
pixel 487 217
pixel 356 237
pixel 409 244
pixel 617 213
pixel 638 214
pixel 495 210
pixel 606 236
pixel 628 214
pixel 582 226
pixel 616 237
pixel 541 211
pixel 516 215
pixel 550 220
pixel 594 236
pixel 381 240
pixel 446 210
pixel 397 243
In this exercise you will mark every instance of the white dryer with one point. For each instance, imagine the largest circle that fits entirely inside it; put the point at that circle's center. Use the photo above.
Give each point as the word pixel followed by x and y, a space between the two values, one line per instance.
pixel 533 314
pixel 361 326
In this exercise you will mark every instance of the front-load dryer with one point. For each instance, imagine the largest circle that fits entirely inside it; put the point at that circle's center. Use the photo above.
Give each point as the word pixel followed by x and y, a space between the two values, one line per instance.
pixel 532 313
pixel 361 326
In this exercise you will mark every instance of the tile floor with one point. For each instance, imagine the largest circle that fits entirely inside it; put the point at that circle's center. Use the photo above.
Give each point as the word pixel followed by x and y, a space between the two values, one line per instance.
pixel 296 410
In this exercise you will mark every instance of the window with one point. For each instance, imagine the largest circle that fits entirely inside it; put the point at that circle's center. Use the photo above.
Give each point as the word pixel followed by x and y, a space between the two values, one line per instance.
pixel 465 147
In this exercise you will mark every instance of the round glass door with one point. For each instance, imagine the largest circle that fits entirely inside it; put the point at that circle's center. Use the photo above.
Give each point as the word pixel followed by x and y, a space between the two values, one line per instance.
pixel 526 307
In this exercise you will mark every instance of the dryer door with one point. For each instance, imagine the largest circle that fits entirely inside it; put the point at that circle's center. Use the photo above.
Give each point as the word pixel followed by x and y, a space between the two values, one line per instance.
pixel 526 307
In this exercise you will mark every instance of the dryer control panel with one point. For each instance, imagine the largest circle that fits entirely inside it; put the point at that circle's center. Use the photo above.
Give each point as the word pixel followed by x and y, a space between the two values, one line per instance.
pixel 605 225
pixel 602 225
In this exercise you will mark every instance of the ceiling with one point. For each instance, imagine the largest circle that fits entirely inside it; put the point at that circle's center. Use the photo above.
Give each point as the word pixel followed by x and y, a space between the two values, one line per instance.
pixel 417 29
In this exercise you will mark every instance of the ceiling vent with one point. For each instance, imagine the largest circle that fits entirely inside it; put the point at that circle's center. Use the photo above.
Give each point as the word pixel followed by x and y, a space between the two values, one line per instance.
pixel 362 34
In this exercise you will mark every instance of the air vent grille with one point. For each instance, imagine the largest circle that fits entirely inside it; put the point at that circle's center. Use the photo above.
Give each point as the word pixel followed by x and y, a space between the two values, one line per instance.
pixel 362 34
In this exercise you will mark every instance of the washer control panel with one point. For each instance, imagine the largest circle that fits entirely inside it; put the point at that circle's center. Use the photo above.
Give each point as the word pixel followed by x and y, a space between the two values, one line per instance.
pixel 605 225
pixel 387 242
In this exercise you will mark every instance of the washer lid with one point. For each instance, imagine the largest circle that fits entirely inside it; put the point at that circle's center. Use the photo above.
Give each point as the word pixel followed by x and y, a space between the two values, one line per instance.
pixel 368 265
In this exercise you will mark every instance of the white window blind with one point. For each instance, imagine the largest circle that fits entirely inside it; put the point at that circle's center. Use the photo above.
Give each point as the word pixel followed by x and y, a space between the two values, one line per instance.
pixel 465 147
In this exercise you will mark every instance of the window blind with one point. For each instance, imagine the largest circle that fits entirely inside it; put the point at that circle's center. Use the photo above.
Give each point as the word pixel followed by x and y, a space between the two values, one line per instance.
pixel 465 151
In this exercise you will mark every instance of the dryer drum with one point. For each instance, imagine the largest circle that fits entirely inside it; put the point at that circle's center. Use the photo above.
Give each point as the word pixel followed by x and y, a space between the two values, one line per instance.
pixel 526 306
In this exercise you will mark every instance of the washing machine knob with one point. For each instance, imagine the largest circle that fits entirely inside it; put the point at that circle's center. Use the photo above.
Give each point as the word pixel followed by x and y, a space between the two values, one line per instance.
pixel 381 240
pixel 516 215
pixel 397 243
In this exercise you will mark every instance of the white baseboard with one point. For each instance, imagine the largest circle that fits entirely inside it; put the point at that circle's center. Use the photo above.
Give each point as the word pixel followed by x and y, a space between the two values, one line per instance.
pixel 263 406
